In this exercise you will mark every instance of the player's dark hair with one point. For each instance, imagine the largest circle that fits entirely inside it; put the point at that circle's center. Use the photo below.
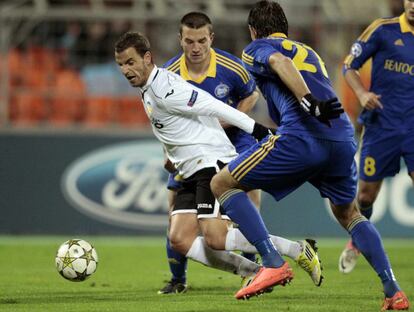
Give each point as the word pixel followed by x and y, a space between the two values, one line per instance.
pixel 268 17
pixel 134 40
pixel 196 20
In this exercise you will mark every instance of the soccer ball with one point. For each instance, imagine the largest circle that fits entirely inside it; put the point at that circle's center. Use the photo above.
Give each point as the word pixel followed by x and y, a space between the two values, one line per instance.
pixel 76 260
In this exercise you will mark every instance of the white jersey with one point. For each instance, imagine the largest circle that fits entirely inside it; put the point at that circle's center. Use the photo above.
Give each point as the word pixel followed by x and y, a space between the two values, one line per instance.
pixel 185 119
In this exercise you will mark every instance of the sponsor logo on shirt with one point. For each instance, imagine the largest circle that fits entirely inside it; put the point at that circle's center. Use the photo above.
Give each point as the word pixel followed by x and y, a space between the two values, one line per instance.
pixel 222 90
pixel 399 42
pixel 193 98
pixel 399 67
pixel 169 93
pixel 157 123
pixel 149 108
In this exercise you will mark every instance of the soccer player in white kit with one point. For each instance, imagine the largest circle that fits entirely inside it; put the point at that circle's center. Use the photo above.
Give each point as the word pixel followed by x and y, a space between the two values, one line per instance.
pixel 185 119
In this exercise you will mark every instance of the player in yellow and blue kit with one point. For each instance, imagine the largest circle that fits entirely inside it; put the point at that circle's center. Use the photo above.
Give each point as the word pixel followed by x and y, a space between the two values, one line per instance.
pixel 388 108
pixel 223 76
pixel 314 143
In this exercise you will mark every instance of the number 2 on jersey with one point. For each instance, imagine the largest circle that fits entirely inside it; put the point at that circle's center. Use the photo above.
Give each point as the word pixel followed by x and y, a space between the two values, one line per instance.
pixel 301 55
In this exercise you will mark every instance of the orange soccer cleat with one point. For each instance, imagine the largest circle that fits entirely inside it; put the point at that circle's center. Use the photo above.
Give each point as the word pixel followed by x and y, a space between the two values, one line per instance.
pixel 264 279
pixel 397 302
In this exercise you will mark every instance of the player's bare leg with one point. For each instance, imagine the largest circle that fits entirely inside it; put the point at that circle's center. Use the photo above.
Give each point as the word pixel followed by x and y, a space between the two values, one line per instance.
pixel 367 194
pixel 369 243
pixel 214 231
pixel 183 231
pixel 185 238
pixel 177 262
pixel 256 197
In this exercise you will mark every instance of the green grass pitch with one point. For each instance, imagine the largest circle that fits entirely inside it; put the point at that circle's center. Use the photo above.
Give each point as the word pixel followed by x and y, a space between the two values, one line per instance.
pixel 132 269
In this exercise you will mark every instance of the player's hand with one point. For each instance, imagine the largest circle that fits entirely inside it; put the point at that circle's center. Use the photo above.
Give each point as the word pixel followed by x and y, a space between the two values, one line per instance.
pixel 370 101
pixel 322 110
pixel 260 131
pixel 169 166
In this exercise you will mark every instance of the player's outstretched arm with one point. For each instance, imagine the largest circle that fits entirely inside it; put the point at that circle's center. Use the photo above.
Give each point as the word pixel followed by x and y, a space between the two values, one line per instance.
pixel 213 107
pixel 180 97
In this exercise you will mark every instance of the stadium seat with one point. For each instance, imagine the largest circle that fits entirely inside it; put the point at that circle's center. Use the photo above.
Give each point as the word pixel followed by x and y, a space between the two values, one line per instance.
pixel 15 67
pixel 131 113
pixel 27 108
pixel 67 98
pixel 99 111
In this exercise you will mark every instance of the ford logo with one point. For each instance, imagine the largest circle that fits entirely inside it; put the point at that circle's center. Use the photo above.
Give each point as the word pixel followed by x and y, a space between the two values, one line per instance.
pixel 122 184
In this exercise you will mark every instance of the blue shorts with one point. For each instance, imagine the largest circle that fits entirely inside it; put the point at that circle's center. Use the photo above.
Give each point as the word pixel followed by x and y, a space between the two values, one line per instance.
pixel 174 182
pixel 279 164
pixel 241 140
pixel 381 152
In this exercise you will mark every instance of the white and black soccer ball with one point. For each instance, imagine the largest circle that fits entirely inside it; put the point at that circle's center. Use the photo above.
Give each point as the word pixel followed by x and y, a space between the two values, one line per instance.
pixel 76 260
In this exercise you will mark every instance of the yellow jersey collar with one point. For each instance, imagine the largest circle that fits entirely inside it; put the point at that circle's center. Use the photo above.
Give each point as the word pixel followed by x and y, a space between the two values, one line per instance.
pixel 405 26
pixel 278 35
pixel 211 71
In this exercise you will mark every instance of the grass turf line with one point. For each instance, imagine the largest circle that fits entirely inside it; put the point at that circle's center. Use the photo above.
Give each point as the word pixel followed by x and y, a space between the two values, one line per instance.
pixel 132 269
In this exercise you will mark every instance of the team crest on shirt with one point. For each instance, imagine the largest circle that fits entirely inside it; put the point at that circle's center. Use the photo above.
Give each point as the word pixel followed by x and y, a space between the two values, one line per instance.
pixel 149 108
pixel 356 49
pixel 221 91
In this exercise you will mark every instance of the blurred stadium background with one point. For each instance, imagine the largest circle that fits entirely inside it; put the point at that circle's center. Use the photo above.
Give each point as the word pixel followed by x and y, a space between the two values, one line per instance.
pixel 77 153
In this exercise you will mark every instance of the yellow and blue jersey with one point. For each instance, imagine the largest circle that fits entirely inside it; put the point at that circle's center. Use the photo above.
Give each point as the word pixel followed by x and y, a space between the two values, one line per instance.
pixel 226 79
pixel 390 44
pixel 283 107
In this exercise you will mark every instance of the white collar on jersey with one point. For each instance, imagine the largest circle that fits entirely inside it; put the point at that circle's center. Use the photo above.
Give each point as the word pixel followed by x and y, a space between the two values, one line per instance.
pixel 150 79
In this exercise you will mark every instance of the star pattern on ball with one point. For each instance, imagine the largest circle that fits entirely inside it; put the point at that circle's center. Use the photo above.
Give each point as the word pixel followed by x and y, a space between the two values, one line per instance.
pixel 73 242
pixel 67 261
pixel 88 256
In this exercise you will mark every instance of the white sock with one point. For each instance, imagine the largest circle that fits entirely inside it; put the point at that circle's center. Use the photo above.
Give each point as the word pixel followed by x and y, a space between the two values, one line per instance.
pixel 235 240
pixel 220 259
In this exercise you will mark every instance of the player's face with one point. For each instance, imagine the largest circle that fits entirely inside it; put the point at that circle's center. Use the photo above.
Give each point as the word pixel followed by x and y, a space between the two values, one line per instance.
pixel 409 10
pixel 196 44
pixel 134 67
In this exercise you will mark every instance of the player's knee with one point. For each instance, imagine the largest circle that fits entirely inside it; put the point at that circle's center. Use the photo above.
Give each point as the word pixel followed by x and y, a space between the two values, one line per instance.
pixel 214 241
pixel 220 183
pixel 216 185
pixel 255 197
pixel 179 242
pixel 345 213
pixel 366 199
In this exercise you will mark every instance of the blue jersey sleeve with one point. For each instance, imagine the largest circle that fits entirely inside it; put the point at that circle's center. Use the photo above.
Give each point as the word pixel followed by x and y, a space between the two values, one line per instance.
pixel 365 46
pixel 242 83
pixel 244 88
pixel 256 57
